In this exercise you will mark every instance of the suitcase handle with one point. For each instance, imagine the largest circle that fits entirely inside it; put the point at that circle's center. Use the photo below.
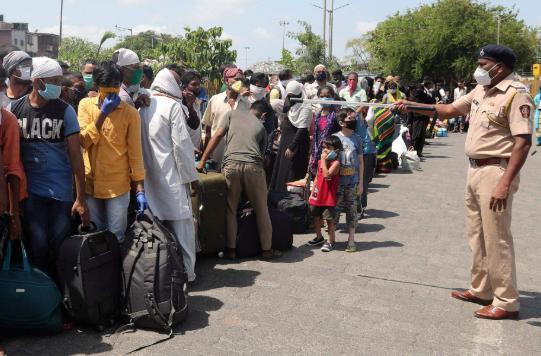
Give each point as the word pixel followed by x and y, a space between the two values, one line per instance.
pixel 7 260
pixel 85 229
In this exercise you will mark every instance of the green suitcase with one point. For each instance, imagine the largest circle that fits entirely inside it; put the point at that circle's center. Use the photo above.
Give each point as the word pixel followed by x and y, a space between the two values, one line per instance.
pixel 209 207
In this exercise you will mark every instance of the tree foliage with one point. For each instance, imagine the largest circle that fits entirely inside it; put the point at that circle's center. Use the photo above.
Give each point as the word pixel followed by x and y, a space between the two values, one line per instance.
pixel 76 50
pixel 106 36
pixel 204 50
pixel 287 59
pixel 442 39
pixel 311 51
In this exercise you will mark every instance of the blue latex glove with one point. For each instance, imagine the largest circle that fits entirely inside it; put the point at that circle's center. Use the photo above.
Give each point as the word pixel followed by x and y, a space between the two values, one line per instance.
pixel 141 203
pixel 110 103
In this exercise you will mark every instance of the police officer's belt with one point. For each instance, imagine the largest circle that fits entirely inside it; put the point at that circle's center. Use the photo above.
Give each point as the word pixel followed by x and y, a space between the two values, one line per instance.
pixel 486 161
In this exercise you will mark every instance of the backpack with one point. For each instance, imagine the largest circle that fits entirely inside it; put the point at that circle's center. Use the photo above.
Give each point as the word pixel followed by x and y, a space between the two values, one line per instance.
pixel 154 278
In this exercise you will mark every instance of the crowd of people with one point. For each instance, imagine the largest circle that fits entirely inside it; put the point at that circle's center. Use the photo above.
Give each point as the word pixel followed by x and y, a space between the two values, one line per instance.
pixel 88 143
pixel 113 137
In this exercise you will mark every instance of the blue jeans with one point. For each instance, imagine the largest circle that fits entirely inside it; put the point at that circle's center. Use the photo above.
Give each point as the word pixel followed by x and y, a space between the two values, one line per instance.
pixel 110 214
pixel 47 222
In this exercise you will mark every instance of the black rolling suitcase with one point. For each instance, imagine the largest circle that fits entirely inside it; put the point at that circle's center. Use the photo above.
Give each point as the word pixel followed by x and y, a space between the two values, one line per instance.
pixel 248 244
pixel 89 277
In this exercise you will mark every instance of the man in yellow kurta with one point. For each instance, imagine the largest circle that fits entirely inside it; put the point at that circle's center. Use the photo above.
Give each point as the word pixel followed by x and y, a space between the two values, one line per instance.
pixel 111 141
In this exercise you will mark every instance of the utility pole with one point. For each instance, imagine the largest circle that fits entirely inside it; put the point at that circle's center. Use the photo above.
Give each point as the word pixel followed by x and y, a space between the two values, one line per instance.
pixel 125 29
pixel 246 57
pixel 324 22
pixel 284 25
pixel 324 8
pixel 61 10
pixel 331 25
pixel 498 34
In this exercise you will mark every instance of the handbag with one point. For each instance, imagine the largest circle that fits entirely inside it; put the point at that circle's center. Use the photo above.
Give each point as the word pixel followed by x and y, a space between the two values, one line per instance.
pixel 29 299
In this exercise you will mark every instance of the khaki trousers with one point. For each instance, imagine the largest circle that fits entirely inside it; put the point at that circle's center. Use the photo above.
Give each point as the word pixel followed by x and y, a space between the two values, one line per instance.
pixel 493 270
pixel 250 179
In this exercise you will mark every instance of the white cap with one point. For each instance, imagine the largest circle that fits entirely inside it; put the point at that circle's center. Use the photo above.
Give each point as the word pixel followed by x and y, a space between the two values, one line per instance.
pixel 126 57
pixel 45 67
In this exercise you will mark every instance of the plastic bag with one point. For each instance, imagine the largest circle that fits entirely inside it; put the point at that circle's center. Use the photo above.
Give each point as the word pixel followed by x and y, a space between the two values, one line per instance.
pixel 410 161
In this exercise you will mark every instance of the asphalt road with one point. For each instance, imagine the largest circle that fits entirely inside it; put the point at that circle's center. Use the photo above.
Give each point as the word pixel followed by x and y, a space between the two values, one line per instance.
pixel 390 298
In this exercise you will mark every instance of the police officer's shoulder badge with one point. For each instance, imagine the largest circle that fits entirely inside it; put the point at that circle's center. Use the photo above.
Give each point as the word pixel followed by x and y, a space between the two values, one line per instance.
pixel 525 111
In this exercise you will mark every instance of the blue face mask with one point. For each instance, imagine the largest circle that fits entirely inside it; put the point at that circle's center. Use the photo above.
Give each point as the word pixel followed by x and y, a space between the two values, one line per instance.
pixel 325 105
pixel 332 156
pixel 51 92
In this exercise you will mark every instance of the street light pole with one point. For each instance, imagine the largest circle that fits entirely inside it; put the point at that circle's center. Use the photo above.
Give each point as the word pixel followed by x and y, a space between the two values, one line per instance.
pixel 331 25
pixel 324 22
pixel 246 57
pixel 284 24
pixel 125 29
pixel 498 35
pixel 61 10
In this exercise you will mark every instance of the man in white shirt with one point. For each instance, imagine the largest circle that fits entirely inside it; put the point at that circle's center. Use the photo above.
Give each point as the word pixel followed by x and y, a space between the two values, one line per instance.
pixel 169 162
pixel 459 92
pixel 321 75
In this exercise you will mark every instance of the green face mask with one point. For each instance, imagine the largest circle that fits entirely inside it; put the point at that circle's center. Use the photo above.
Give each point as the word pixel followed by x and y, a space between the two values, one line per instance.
pixel 136 76
pixel 89 81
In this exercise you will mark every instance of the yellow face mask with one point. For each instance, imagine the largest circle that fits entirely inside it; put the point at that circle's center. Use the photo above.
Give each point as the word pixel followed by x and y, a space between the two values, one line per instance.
pixel 104 91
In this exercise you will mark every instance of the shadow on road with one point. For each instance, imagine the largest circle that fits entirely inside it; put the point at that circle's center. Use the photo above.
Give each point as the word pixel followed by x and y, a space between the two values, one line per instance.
pixel 530 301
pixel 428 156
pixel 212 277
pixel 376 185
pixel 380 214
pixel 198 314
pixel 367 245
pixel 530 307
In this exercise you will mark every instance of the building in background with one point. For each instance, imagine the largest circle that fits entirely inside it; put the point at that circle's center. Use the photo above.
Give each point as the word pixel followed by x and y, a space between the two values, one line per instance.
pixel 34 43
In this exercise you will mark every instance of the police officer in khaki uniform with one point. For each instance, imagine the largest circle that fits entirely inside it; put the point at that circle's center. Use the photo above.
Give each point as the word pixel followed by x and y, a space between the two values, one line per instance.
pixel 499 138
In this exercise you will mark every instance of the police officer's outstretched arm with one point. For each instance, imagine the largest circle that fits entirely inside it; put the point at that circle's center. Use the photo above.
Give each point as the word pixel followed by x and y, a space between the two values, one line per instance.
pixel 444 111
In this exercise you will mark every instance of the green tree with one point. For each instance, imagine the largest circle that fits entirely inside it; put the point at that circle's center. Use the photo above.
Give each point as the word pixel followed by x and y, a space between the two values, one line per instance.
pixel 359 59
pixel 147 44
pixel 311 51
pixel 287 59
pixel 76 50
pixel 204 50
pixel 106 36
pixel 442 39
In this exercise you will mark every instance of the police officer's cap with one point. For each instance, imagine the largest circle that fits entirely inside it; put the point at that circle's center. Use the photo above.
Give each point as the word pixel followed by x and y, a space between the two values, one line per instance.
pixel 499 53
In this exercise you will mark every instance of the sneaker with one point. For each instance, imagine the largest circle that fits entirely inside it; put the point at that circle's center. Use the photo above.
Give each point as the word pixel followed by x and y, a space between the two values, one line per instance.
pixel 316 241
pixel 327 247
pixel 351 248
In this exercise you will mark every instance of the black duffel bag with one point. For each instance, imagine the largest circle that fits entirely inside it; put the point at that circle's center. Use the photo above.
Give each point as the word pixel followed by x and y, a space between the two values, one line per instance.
pixel 294 206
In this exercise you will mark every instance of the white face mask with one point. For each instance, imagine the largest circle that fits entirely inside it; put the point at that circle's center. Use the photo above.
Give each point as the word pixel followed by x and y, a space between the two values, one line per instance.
pixel 284 82
pixel 134 88
pixel 257 93
pixel 482 77
pixel 25 72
